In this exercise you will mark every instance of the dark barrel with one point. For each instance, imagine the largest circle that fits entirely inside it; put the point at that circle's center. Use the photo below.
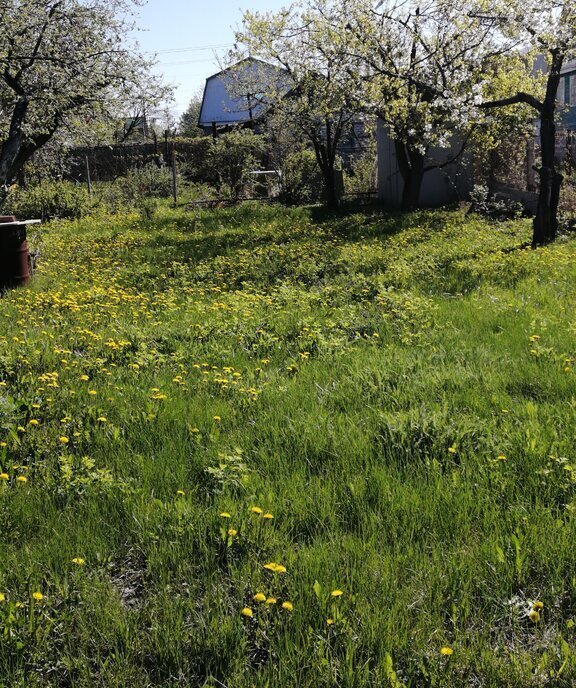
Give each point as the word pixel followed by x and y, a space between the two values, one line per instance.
pixel 14 263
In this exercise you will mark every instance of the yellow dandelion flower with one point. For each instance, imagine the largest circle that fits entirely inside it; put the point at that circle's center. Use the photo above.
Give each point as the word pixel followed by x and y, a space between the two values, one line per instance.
pixel 181 493
pixel 538 606
pixel 232 532
pixel 2 597
pixel 38 596
pixel 501 457
pixel 288 606
pixel 256 510
pixel 4 476
pixel 246 611
pixel 329 621
pixel 446 651
pixel 102 419
pixel 84 378
pixel 336 593
pixel 534 616
pixel 78 561
pixel 64 439
pixel 33 421
pixel 224 514
pixel 259 597
pixel 22 479
pixel 92 392
pixel 217 419
pixel 271 600
pixel 452 450
pixel 268 516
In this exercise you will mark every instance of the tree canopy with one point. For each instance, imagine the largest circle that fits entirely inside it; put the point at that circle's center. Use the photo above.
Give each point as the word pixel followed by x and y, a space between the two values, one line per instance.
pixel 318 103
pixel 64 62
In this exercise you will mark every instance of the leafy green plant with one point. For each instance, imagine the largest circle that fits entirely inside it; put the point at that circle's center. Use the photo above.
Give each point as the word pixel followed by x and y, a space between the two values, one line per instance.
pixel 301 179
pixel 47 200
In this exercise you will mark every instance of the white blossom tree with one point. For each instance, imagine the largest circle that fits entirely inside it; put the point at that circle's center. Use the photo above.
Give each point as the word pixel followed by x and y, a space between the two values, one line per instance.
pixel 314 91
pixel 423 67
pixel 61 62
pixel 548 28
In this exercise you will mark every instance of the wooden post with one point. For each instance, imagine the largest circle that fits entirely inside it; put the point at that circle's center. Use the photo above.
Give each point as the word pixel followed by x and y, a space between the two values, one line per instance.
pixel 174 182
pixel 88 182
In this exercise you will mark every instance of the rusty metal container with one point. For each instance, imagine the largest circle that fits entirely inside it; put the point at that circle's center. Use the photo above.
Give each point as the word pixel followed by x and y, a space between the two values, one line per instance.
pixel 14 259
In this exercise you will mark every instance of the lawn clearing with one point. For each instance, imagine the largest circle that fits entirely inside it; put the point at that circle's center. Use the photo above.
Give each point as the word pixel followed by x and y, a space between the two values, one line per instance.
pixel 273 447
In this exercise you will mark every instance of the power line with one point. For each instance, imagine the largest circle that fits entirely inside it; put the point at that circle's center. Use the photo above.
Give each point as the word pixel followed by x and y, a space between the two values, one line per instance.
pixel 191 49
pixel 184 62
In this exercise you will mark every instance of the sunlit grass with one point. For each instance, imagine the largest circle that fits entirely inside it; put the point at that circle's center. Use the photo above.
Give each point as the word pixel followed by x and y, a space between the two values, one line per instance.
pixel 273 447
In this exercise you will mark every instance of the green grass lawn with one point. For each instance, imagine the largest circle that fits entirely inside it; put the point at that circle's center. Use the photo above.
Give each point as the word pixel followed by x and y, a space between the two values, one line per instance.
pixel 204 408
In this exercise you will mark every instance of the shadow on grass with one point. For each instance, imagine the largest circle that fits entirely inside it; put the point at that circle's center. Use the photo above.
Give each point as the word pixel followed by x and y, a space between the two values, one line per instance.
pixel 209 233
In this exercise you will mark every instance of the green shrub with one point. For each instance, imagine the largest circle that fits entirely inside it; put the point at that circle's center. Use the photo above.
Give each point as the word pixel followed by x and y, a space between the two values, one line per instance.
pixel 48 200
pixel 301 179
pixel 232 157
pixel 362 178
pixel 149 180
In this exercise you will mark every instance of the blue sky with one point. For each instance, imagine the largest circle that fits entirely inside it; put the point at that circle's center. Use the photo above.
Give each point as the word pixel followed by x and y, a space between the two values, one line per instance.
pixel 189 36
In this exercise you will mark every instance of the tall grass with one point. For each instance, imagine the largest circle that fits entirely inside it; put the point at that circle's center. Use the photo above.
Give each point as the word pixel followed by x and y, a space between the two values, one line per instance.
pixel 377 405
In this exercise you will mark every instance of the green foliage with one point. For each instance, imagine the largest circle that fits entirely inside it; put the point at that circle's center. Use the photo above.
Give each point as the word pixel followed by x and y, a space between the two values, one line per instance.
pixel 48 200
pixel 490 205
pixel 188 125
pixel 82 67
pixel 301 179
pixel 402 511
pixel 362 178
pixel 232 156
pixel 148 180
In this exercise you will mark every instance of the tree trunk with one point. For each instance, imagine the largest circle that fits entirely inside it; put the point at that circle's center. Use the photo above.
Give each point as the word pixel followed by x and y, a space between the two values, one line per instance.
pixel 11 148
pixel 326 164
pixel 545 226
pixel 330 188
pixel 16 150
pixel 411 166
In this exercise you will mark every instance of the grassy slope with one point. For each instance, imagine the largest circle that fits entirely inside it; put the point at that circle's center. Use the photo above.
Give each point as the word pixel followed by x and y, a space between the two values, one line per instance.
pixel 398 391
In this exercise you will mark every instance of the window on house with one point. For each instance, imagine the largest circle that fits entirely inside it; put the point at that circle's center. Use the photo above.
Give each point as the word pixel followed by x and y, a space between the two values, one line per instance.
pixel 573 90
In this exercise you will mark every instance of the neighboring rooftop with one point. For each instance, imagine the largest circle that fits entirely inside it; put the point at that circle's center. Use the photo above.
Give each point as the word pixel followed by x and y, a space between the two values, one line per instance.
pixel 236 95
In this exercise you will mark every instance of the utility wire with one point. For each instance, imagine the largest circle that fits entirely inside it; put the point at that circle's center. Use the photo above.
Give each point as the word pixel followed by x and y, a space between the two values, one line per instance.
pixel 191 49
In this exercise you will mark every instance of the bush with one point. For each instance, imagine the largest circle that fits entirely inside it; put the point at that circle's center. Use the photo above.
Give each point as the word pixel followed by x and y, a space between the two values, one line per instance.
pixel 232 157
pixel 362 178
pixel 497 207
pixel 48 200
pixel 149 180
pixel 301 179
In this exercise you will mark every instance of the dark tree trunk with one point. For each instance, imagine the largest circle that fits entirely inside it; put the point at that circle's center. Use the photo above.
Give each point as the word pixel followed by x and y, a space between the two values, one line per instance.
pixel 545 225
pixel 11 149
pixel 330 184
pixel 411 166
pixel 326 164
pixel 16 149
